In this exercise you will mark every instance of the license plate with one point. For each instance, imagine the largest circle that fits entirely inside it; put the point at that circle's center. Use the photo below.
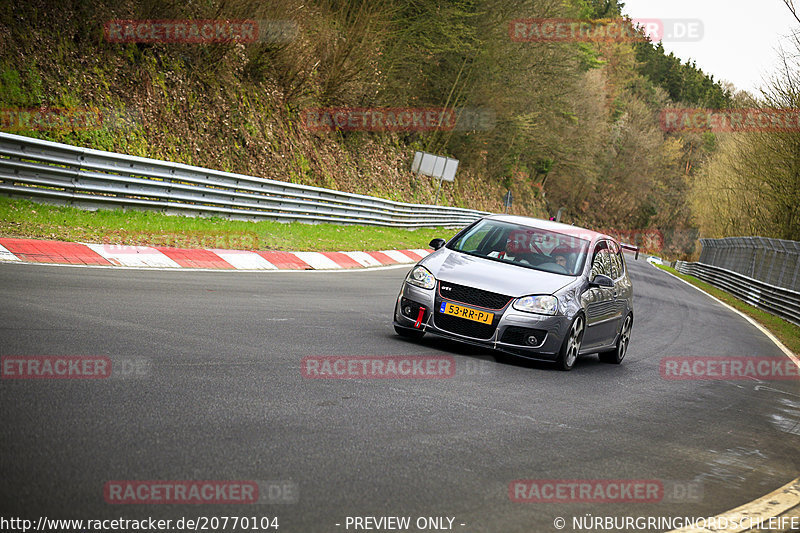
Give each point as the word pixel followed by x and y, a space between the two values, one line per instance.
pixel 466 312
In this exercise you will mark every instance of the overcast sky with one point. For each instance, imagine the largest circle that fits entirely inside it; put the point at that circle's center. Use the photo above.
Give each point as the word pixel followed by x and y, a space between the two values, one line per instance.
pixel 740 38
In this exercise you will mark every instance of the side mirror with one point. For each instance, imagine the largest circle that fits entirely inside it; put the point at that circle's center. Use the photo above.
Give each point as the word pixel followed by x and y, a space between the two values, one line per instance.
pixel 601 280
pixel 436 243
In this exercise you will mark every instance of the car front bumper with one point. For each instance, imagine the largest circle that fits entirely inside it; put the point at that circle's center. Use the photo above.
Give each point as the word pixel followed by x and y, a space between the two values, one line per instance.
pixel 523 334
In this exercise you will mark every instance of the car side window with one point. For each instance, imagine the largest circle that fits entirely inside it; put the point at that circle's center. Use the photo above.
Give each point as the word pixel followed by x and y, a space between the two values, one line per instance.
pixel 601 262
pixel 615 255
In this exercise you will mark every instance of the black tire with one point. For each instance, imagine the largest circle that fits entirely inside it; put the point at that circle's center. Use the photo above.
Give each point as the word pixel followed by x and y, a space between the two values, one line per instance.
pixel 571 346
pixel 616 355
pixel 409 333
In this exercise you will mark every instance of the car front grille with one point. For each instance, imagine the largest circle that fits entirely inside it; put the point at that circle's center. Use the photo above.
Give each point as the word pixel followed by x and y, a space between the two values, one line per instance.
pixel 472 296
pixel 461 326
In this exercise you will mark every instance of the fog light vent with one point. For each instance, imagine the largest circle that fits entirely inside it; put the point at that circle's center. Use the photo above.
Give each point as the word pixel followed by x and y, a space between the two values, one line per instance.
pixel 523 336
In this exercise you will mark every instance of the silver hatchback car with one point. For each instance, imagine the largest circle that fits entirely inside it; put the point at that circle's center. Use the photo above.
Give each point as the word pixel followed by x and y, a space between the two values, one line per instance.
pixel 529 287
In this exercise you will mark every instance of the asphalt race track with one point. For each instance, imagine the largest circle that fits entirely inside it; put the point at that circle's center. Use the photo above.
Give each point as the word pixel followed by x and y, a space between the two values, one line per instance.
pixel 223 398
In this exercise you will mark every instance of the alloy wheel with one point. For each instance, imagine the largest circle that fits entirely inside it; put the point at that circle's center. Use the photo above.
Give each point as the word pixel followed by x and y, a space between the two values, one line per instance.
pixel 574 342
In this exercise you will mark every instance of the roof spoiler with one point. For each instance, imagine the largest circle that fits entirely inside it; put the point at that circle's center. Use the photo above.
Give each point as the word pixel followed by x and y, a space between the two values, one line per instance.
pixel 632 248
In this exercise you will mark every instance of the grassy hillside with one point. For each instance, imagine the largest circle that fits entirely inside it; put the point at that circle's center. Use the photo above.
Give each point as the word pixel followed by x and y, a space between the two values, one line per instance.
pixel 571 124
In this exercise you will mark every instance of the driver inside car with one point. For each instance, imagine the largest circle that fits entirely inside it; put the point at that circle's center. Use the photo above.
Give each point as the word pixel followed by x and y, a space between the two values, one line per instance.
pixel 561 256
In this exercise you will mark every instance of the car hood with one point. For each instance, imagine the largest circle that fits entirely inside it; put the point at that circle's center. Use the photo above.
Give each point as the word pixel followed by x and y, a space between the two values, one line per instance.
pixel 494 276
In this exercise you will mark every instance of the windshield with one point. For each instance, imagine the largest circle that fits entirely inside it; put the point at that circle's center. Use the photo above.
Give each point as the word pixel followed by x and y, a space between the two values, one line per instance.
pixel 524 246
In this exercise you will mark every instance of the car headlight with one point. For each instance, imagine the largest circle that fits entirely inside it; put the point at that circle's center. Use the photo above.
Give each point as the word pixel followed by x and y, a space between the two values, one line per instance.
pixel 543 305
pixel 421 277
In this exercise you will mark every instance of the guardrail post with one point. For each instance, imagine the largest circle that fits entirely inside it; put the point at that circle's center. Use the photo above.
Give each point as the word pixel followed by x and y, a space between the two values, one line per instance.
pixel 784 261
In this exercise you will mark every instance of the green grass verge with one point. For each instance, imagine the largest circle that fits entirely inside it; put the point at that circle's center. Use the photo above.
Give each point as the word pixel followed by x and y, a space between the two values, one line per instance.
pixel 24 219
pixel 786 332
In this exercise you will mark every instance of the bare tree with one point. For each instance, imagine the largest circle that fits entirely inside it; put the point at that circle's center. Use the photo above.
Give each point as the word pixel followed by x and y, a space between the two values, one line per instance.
pixel 792 8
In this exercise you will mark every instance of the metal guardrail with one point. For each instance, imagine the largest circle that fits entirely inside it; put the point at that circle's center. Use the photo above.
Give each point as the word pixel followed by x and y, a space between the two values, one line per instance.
pixel 773 261
pixel 779 301
pixel 83 177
